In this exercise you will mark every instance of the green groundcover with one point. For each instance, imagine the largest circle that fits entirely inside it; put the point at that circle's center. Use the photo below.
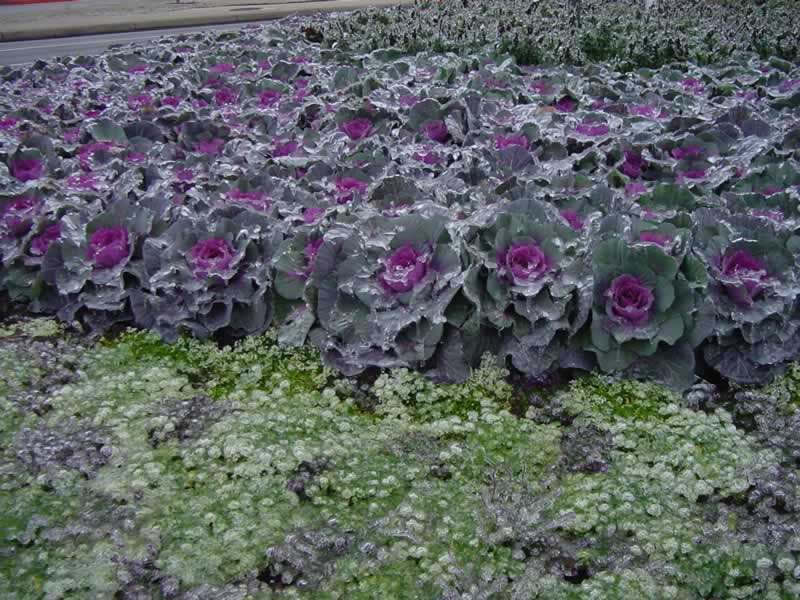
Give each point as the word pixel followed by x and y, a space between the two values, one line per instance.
pixel 130 468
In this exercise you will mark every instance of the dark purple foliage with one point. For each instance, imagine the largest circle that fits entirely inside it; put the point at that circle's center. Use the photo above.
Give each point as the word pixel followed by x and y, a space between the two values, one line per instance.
pixel 566 104
pixel 357 129
pixel 108 246
pixel 140 101
pixel 507 141
pixel 686 152
pixel 404 268
pixel 436 131
pixel 635 188
pixel 41 242
pixel 573 219
pixel 17 216
pixel 269 98
pixel 653 237
pixel 8 123
pixel 693 174
pixel 522 263
pixel 172 101
pixel 633 164
pixel 226 95
pixel 628 301
pixel 312 214
pixel 429 158
pixel 347 187
pixel 210 147
pixel 26 169
pixel 209 257
pixel 743 274
pixel 285 148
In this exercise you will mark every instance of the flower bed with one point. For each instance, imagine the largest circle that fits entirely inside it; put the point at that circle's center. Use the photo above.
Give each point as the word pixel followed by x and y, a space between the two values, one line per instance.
pixel 628 34
pixel 411 211
pixel 134 468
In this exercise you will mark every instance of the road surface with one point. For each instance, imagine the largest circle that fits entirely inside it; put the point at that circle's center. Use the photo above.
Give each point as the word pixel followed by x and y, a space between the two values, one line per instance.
pixel 19 53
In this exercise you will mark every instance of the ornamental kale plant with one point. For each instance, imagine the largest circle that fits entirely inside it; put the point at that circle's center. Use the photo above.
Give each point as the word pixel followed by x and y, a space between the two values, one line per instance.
pixel 27 230
pixel 415 210
pixel 208 278
pixel 294 262
pixel 17 215
pixel 529 280
pixel 646 315
pixel 26 167
pixel 94 263
pixel 752 266
pixel 382 292
pixel 357 129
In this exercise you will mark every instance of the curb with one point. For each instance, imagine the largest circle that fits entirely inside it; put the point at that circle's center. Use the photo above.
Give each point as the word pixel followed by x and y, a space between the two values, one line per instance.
pixel 212 16
pixel 17 2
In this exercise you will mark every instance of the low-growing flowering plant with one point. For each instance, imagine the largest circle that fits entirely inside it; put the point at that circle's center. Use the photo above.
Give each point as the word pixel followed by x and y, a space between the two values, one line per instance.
pixel 566 104
pixel 633 165
pixel 285 148
pixel 741 275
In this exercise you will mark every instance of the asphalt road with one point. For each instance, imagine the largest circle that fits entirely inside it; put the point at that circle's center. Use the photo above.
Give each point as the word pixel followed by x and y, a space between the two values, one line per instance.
pixel 20 53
